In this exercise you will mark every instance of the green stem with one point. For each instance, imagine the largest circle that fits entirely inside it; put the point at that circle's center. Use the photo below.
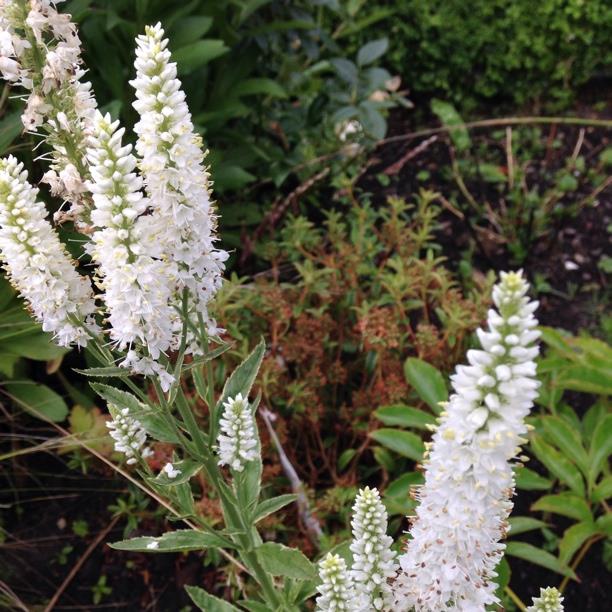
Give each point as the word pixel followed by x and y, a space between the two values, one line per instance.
pixel 515 598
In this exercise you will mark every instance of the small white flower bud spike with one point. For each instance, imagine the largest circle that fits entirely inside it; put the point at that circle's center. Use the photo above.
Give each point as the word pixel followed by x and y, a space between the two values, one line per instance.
pixel 237 442
pixel 171 471
pixel 129 435
pixel 37 263
pixel 550 600
pixel 450 561
pixel 336 589
pixel 373 560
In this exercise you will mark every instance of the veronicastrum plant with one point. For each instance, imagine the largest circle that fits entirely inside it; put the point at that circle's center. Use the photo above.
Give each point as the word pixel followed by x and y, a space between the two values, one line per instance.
pixel 152 234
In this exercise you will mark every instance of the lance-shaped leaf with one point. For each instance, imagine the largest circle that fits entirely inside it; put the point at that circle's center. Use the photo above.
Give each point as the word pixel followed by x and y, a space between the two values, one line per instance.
pixel 174 541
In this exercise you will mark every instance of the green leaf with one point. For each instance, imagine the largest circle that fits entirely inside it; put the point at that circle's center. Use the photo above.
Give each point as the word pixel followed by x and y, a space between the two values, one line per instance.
pixel 189 29
pixel 573 538
pixel 586 379
pixel 404 416
pixel 10 127
pixel 181 540
pixel 372 120
pixel 568 440
pixel 449 117
pixel 279 560
pixel 151 421
pixel 240 381
pixel 198 54
pixel 529 480
pixel 503 575
pixel 371 51
pixel 558 465
pixel 565 504
pixel 427 382
pixel 207 602
pixel 38 346
pixel 604 523
pixel 187 468
pixel 521 524
pixel 345 69
pixel 345 458
pixel 269 506
pixel 603 490
pixel 267 87
pixel 39 400
pixel 601 447
pixel 403 442
pixel 107 372
pixel 530 553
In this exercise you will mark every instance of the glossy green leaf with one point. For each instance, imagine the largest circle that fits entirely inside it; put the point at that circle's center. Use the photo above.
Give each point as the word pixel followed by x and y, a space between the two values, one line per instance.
pixel 404 416
pixel 529 480
pixel 530 553
pixel 198 54
pixel 39 400
pixel 427 381
pixel 371 51
pixel 207 602
pixel 558 465
pixel 567 440
pixel 566 504
pixel 522 524
pixel 279 560
pixel 403 442
pixel 174 541
pixel 573 538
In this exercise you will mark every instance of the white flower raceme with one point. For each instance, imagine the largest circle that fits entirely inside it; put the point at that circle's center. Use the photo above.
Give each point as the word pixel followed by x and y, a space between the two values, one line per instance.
pixel 373 560
pixel 38 265
pixel 336 590
pixel 550 600
pixel 465 501
pixel 237 442
pixel 128 433
pixel 176 180
pixel 40 51
pixel 137 287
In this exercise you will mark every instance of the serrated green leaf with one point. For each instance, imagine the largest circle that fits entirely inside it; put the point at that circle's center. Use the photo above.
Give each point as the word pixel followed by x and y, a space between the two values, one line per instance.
pixel 565 504
pixel 427 381
pixel 279 560
pixel 404 416
pixel 558 465
pixel 207 602
pixel 405 443
pixel 269 506
pixel 530 553
pixel 528 480
pixel 573 538
pixel 181 540
pixel 522 524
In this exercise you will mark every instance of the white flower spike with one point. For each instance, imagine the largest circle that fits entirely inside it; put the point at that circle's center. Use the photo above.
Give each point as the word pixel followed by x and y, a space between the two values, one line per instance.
pixel 373 560
pixel 129 435
pixel 450 561
pixel 237 442
pixel 37 263
pixel 336 590
pixel 550 600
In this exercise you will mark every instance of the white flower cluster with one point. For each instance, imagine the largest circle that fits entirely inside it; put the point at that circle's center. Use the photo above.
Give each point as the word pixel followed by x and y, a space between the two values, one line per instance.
pixel 237 442
pixel 465 501
pixel 129 435
pixel 176 180
pixel 365 587
pixel 336 589
pixel 37 263
pixel 550 600
pixel 137 287
pixel 40 51
pixel 170 471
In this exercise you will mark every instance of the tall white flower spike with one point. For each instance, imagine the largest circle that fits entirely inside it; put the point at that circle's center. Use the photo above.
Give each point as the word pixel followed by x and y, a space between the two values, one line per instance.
pixel 237 442
pixel 40 51
pixel 129 435
pixel 373 560
pixel 176 180
pixel 137 287
pixel 550 600
pixel 38 264
pixel 455 543
pixel 336 590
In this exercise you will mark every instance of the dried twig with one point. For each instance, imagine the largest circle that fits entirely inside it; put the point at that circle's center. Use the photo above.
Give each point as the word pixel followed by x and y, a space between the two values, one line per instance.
pixel 402 161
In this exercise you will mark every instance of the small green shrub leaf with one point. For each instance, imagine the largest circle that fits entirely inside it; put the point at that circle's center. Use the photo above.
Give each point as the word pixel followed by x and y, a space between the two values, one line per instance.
pixel 427 381
pixel 404 416
pixel 403 442
pixel 371 51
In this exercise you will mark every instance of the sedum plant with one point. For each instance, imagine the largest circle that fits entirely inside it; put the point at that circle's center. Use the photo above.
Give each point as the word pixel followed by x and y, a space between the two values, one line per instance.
pixel 156 268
